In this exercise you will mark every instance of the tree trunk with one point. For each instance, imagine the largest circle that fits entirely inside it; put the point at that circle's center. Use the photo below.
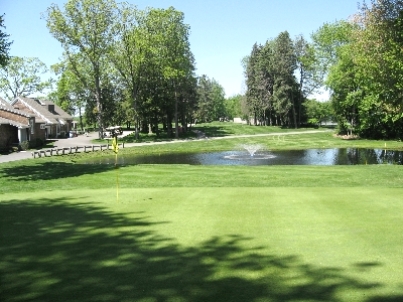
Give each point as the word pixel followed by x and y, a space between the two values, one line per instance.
pixel 300 97
pixel 156 130
pixel 176 117
pixel 270 118
pixel 99 119
pixel 136 117
pixel 295 116
pixel 169 125
pixel 98 101
pixel 80 115
pixel 144 126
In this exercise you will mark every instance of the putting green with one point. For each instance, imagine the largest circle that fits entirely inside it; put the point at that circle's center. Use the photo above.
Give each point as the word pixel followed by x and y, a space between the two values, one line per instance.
pixel 203 244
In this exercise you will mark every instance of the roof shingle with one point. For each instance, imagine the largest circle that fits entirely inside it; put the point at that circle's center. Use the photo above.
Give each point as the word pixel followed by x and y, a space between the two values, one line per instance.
pixel 45 110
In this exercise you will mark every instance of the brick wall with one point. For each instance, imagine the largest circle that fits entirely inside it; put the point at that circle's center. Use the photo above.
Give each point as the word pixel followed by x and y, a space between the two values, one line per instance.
pixel 10 131
pixel 38 133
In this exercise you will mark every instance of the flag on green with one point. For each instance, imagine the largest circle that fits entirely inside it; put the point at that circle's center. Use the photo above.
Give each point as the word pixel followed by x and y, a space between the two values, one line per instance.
pixel 115 146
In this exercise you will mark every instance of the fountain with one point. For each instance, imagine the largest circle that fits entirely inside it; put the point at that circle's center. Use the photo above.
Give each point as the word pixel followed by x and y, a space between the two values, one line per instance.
pixel 255 152
pixel 252 149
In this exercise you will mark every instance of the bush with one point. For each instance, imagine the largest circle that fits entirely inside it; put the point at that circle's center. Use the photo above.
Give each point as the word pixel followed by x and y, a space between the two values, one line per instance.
pixel 24 145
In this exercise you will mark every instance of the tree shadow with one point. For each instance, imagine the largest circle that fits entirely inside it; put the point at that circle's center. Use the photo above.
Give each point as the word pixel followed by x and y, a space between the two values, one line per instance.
pixel 52 170
pixel 214 131
pixel 66 250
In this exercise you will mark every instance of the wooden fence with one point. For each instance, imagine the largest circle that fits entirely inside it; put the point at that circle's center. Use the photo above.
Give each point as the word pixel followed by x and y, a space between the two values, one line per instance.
pixel 71 150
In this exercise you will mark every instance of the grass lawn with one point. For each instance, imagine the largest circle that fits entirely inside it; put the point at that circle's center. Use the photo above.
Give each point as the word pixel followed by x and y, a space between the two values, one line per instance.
pixel 214 129
pixel 201 233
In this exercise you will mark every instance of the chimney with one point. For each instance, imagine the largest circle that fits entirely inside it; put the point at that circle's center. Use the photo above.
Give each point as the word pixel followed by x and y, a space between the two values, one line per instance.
pixel 51 108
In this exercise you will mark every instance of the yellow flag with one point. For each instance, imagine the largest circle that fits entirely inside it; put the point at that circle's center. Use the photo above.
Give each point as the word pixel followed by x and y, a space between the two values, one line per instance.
pixel 115 146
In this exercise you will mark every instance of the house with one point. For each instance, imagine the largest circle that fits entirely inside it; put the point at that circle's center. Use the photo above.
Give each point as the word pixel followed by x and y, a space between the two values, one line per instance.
pixel 30 119
pixel 55 121
pixel 15 125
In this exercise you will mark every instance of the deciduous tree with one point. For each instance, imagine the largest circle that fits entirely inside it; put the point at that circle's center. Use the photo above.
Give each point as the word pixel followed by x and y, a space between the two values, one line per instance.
pixel 378 45
pixel 4 44
pixel 211 98
pixel 337 64
pixel 85 27
pixel 307 74
pixel 70 93
pixel 233 106
pixel 318 112
pixel 23 77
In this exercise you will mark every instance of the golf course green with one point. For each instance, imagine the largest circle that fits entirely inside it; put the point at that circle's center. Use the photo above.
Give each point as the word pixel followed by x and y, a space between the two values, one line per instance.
pixel 76 232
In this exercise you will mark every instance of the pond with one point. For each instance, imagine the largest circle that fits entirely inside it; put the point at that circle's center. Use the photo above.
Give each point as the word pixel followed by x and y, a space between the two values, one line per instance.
pixel 336 156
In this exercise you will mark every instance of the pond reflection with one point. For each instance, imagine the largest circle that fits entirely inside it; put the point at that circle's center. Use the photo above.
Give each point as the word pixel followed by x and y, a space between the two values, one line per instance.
pixel 344 156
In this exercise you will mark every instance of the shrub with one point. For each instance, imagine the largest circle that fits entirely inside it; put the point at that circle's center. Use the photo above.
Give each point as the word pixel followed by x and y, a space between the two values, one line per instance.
pixel 24 145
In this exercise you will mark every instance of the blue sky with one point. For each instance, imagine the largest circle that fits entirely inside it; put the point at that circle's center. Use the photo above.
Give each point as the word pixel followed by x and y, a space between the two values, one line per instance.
pixel 222 31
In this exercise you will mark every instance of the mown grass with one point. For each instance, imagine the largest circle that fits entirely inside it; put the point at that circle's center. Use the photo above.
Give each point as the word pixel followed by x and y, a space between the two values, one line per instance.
pixel 219 129
pixel 271 140
pixel 76 232
pixel 202 244
pixel 214 129
pixel 55 175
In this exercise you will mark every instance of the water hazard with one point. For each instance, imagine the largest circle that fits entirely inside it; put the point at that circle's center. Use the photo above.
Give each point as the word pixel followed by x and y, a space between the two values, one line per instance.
pixel 346 156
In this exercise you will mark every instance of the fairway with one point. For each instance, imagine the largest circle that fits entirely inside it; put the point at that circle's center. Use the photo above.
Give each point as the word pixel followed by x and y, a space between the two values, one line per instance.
pixel 203 244
pixel 149 233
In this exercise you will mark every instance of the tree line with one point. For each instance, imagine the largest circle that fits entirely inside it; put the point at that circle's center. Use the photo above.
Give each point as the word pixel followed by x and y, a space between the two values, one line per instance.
pixel 279 76
pixel 120 65
pixel 363 61
pixel 357 60
pixel 125 65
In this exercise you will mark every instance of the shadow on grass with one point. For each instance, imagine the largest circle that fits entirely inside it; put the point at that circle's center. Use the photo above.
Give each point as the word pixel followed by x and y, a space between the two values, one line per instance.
pixel 161 137
pixel 54 250
pixel 51 170
pixel 214 131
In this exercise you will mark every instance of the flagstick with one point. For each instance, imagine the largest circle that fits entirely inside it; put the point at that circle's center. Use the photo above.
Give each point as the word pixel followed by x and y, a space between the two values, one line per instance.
pixel 117 182
pixel 115 147
pixel 115 131
pixel 117 170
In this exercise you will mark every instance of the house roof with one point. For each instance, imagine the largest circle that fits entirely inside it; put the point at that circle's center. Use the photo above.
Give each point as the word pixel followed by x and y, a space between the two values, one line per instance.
pixel 4 121
pixel 6 106
pixel 45 110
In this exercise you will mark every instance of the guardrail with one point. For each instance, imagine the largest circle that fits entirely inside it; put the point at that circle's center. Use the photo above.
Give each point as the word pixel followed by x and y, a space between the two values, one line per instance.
pixel 71 150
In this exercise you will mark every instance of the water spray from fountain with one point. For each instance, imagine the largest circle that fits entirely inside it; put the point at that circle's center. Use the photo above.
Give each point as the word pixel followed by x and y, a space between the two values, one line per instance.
pixel 252 149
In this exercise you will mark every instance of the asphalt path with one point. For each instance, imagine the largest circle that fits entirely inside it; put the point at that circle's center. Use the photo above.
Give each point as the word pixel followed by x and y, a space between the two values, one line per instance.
pixel 85 140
